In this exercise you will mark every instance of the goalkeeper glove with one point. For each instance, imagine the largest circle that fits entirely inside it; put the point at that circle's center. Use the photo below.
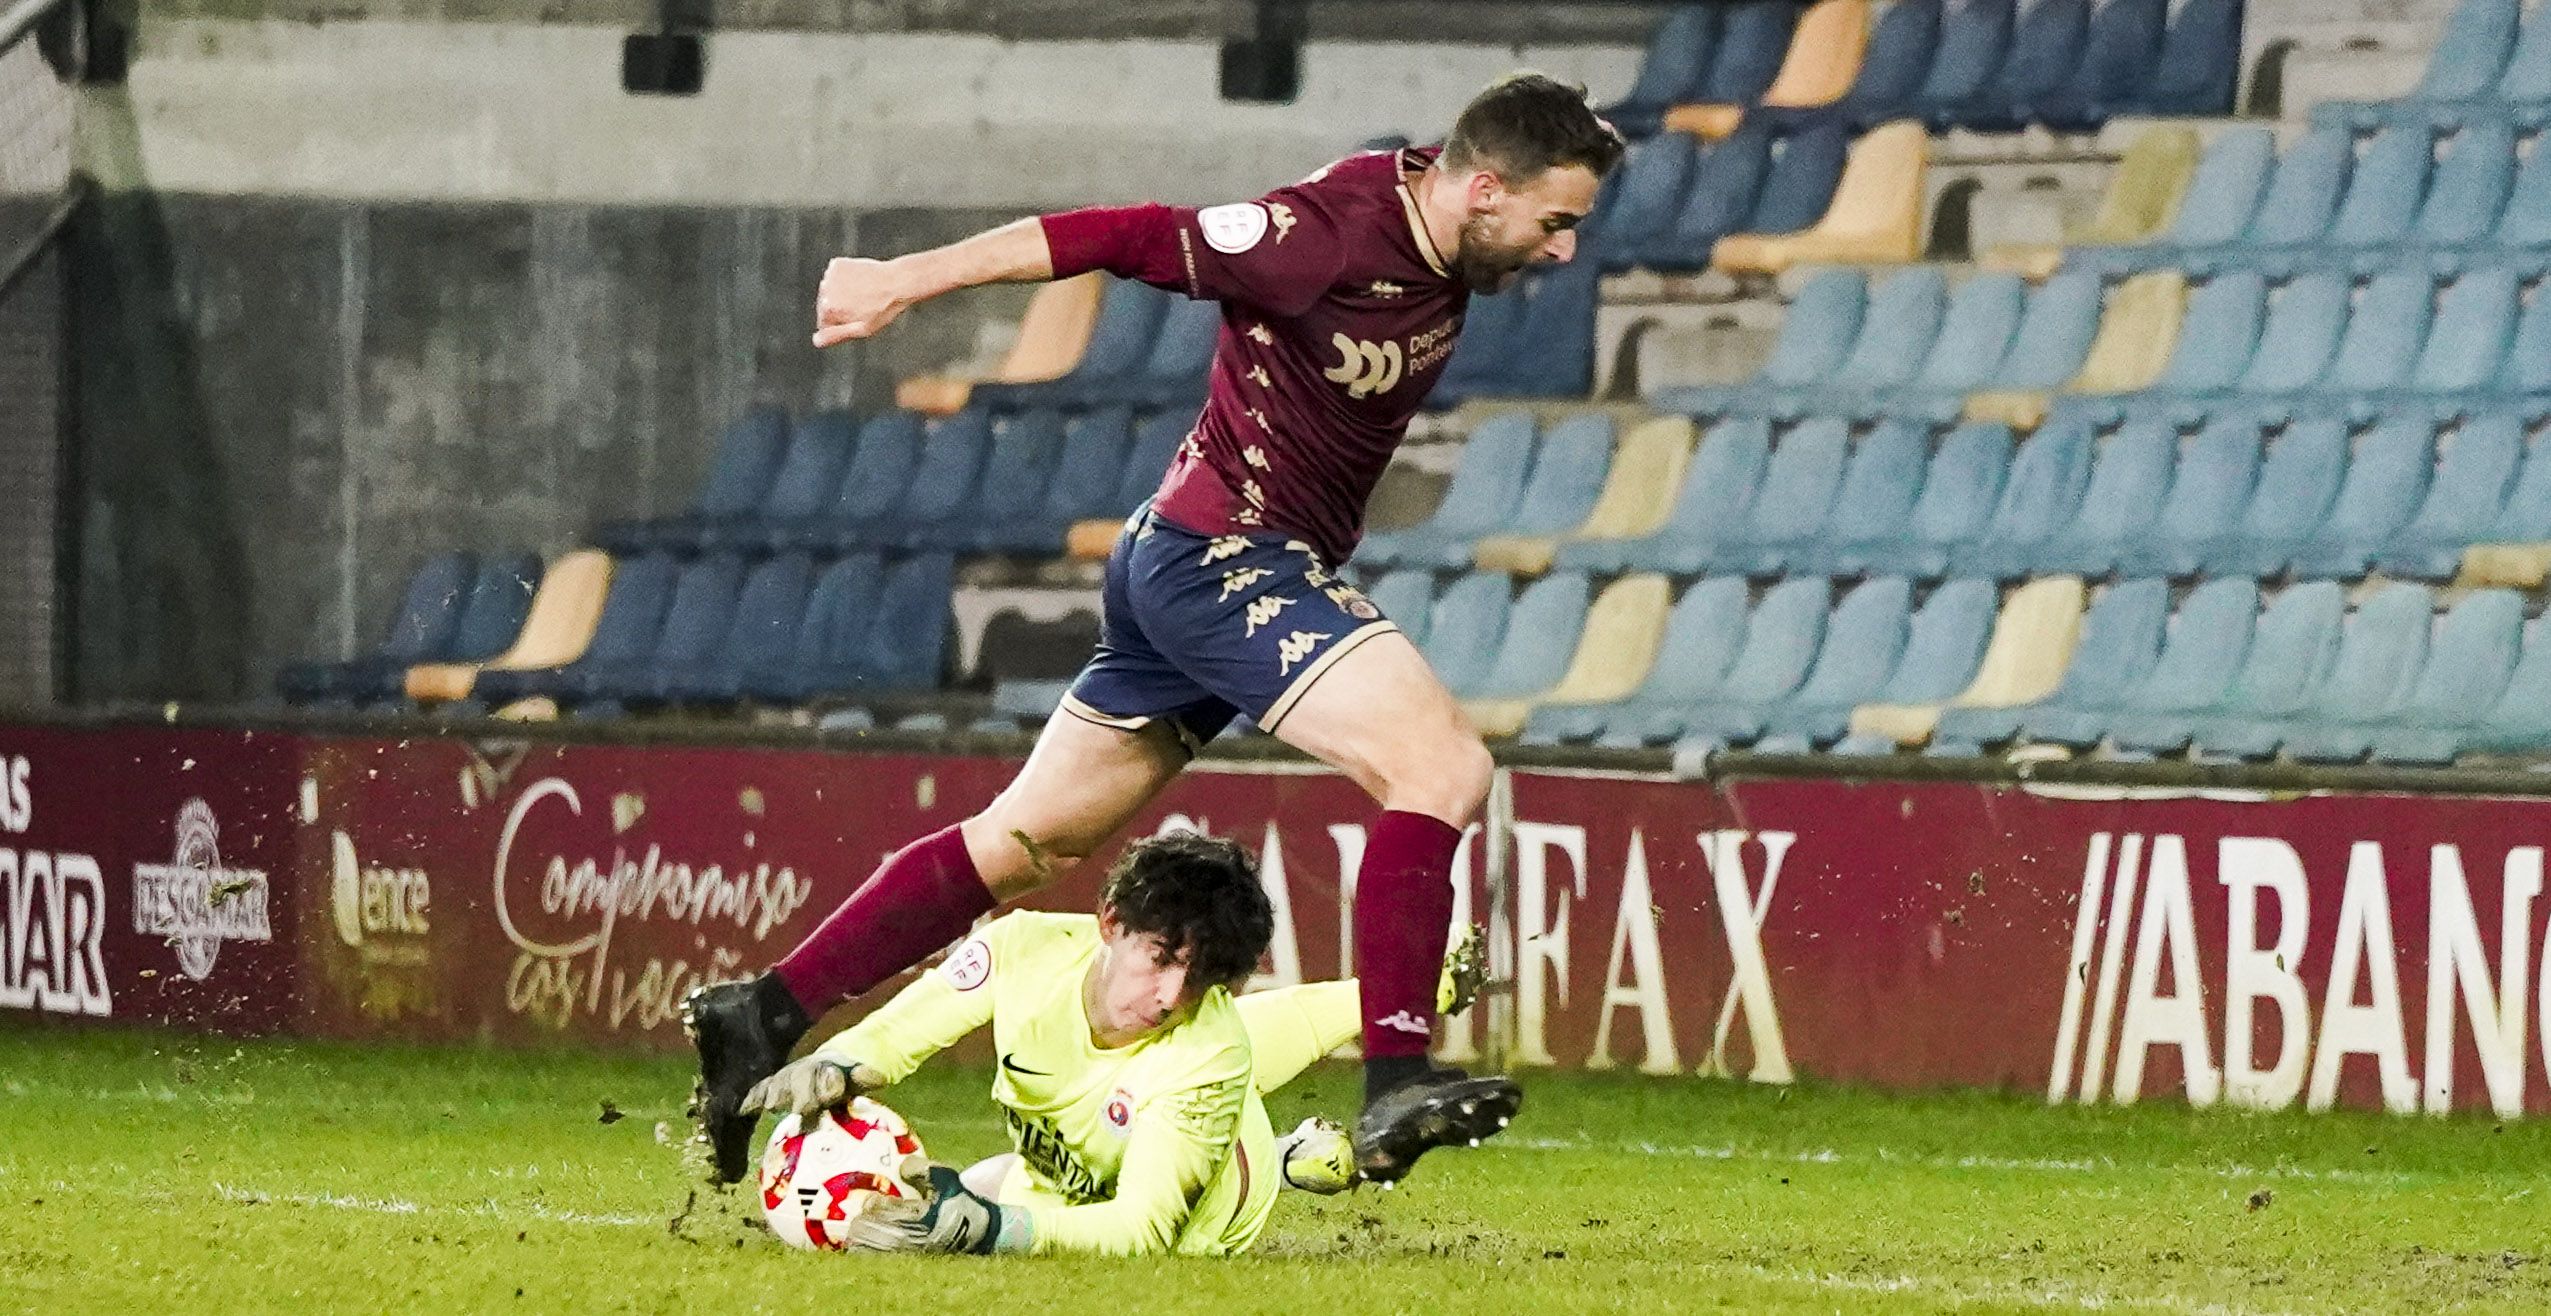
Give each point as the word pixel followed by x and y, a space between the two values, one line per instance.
pixel 808 1087
pixel 950 1217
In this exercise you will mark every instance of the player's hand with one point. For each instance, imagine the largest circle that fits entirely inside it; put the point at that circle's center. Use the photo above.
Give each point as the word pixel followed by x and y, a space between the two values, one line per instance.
pixel 947 1217
pixel 809 1087
pixel 858 297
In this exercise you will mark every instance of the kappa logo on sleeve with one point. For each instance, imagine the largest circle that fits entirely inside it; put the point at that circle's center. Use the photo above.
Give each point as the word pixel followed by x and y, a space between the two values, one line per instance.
pixel 969 966
pixel 1234 228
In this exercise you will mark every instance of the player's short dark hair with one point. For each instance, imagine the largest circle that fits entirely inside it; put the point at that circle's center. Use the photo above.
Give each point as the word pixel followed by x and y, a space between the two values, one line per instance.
pixel 1200 895
pixel 1526 123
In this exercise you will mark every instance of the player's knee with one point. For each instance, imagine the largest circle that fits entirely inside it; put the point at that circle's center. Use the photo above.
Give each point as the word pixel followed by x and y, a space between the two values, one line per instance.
pixel 1447 781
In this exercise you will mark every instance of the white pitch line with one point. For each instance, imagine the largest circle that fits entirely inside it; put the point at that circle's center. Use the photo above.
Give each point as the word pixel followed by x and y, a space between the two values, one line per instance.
pixel 401 1206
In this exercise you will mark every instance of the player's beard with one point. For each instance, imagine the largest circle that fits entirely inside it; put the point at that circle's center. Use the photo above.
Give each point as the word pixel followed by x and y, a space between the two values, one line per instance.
pixel 1484 264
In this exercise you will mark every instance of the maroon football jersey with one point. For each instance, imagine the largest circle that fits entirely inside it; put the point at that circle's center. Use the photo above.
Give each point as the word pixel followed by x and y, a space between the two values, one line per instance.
pixel 1338 315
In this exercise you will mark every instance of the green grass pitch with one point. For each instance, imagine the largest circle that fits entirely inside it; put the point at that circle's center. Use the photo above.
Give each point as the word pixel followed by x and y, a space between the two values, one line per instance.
pixel 151 1171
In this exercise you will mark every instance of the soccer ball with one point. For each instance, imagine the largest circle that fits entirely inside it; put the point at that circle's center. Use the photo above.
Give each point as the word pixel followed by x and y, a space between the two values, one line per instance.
pixel 816 1180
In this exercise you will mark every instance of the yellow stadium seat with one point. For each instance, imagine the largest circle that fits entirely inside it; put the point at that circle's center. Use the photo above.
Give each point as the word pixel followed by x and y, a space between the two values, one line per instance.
pixel 1053 332
pixel 2507 566
pixel 1824 56
pixel 2142 199
pixel 1623 629
pixel 1875 218
pixel 560 623
pixel 1637 496
pixel 2032 644
pixel 2137 331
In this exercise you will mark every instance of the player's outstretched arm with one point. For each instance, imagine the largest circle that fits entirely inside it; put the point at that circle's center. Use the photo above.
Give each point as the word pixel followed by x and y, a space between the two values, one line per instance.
pixel 859 297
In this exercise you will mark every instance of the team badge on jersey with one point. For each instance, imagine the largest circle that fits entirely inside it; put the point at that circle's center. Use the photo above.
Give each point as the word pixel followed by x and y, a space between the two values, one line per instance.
pixel 1234 228
pixel 969 966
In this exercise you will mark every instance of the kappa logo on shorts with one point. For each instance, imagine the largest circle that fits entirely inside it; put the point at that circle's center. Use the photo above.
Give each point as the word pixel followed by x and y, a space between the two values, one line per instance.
pixel 1261 418
pixel 1296 647
pixel 1255 456
pixel 1258 375
pixel 1224 546
pixel 1259 334
pixel 1241 578
pixel 1249 489
pixel 1263 610
pixel 1234 228
pixel 1248 516
pixel 1367 368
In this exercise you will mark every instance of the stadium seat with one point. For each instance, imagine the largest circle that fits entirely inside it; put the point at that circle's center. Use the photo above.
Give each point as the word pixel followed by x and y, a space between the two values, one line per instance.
pixel 1559 327
pixel 2467 347
pixel 2114 644
pixel 761 628
pixel 2525 223
pixel 2048 348
pixel 826 653
pixel 2044 54
pixel 1081 486
pixel 1815 336
pixel 1677 62
pixel 1782 634
pixel 1874 498
pixel 2376 658
pixel 2467 193
pixel 1874 215
pixel 1864 640
pixel 2210 484
pixel 2199 66
pixel 554 630
pixel 2131 348
pixel 1896 334
pixel 2386 330
pixel 1943 645
pixel 1623 629
pixel 2305 319
pixel 1568 474
pixel 819 450
pixel 1822 59
pixel 1022 462
pixel 1725 182
pixel 1054 332
pixel 2465 669
pixel 2121 500
pixel 625 634
pixel 945 479
pixel 2384 186
pixel 1789 505
pixel 1120 341
pixel 2214 345
pixel 2142 197
pixel 2465 65
pixel 1799 183
pixel 1542 630
pixel 2518 720
pixel 2116 65
pixel 420 632
pixel 1630 659
pixel 1753 42
pixel 2288 654
pixel 1975 35
pixel 871 482
pixel 2202 646
pixel 698 615
pixel 908 639
pixel 1646 468
pixel 1959 489
pixel 2474 475
pixel 1496 460
pixel 1465 628
pixel 2299 476
pixel 1718 484
pixel 748 457
pixel 474 627
pixel 2302 199
pixel 1975 335
pixel 2387 478
pixel 2031 644
pixel 1892 69
pixel 1641 201
pixel 2221 195
pixel 2041 496
pixel 1405 596
pixel 1173 373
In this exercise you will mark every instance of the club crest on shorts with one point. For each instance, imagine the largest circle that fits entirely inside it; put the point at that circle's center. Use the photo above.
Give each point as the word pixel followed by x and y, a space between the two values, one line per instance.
pixel 1234 228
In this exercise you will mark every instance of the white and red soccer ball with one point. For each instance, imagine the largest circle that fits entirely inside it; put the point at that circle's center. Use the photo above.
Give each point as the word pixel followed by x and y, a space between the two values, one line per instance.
pixel 816 1181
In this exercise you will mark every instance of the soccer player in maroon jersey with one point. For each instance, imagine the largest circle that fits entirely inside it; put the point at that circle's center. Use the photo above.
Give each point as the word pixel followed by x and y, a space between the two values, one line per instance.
pixel 1342 296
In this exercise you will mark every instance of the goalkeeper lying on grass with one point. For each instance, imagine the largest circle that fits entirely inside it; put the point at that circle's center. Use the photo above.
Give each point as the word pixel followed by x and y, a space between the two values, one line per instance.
pixel 1129 1073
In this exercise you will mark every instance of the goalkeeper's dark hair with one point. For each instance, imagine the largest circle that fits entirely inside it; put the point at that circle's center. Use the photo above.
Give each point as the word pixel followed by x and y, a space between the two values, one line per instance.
pixel 1526 123
pixel 1200 895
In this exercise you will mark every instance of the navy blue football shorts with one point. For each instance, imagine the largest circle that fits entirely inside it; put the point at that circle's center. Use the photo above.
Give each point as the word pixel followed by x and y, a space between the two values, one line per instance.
pixel 1197 629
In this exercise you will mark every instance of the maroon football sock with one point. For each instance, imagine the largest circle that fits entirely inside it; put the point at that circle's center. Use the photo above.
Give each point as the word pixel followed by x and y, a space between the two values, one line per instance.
pixel 923 897
pixel 1403 913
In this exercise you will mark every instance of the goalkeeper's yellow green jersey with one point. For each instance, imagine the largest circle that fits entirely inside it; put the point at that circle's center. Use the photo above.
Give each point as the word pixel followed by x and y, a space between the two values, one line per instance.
pixel 1159 1145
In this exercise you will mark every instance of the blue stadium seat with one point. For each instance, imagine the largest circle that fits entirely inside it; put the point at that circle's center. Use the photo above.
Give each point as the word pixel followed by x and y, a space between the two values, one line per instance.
pixel 2466 347
pixel 1895 337
pixel 1726 179
pixel 1568 471
pixel 944 480
pixel 1975 334
pixel 697 616
pixel 1173 373
pixel 1642 200
pixel 2054 334
pixel 2120 503
pixel 1156 441
pixel 1466 627
pixel 2205 642
pixel 2222 195
pixel 2116 65
pixel 2385 331
pixel 2519 720
pixel 2472 482
pixel 1718 485
pixel 1753 39
pixel 2525 87
pixel 824 653
pixel 762 629
pixel 1782 635
pixel 2298 477
pixel 740 473
pixel 1959 489
pixel 908 639
pixel 1479 500
pixel 2302 198
pixel 1863 640
pixel 490 614
pixel 2120 640
pixel 1815 336
pixel 1027 448
pixel 2289 651
pixel 2468 192
pixel 2464 66
pixel 1974 36
pixel 1678 59
pixel 2376 659
pixel 2466 669
pixel 1495 340
pixel 2211 485
pixel 1083 485
pixel 420 631
pixel 1405 596
pixel 2384 188
pixel 2525 224
pixel 1874 502
pixel 1702 635
pixel 871 482
pixel 625 634
pixel 818 452
pixel 1559 324
pixel 1798 186
pixel 2306 318
pixel 2386 480
pixel 1789 506
pixel 2199 66
pixel 1541 638
pixel 2039 498
pixel 1120 340
pixel 2217 338
pixel 2045 52
pixel 1892 69
pixel 1943 644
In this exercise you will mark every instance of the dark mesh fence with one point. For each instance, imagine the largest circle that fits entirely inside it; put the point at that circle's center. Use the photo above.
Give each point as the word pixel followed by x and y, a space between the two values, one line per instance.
pixel 35 175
